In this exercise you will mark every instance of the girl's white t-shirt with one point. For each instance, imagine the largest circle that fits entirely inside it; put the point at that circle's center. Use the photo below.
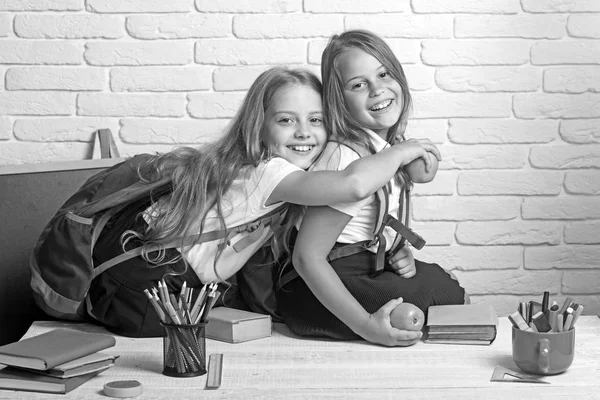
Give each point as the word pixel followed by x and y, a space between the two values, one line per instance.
pixel 337 157
pixel 244 202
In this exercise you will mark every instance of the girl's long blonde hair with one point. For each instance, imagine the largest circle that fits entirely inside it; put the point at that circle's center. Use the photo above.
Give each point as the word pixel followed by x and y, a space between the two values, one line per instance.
pixel 338 118
pixel 202 176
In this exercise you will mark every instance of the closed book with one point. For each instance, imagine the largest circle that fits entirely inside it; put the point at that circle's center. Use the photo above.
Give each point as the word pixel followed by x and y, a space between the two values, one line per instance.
pixel 53 348
pixel 80 366
pixel 19 379
pixel 235 326
pixel 465 323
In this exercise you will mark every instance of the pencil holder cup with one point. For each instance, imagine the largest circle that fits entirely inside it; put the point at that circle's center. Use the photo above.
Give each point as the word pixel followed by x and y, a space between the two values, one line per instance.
pixel 539 353
pixel 184 350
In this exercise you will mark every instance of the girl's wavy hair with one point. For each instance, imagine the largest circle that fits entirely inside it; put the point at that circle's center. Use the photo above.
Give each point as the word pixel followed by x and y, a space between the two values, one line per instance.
pixel 201 176
pixel 338 118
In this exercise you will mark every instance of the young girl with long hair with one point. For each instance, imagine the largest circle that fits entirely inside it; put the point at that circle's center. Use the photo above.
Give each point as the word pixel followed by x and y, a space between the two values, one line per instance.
pixel 257 165
pixel 366 104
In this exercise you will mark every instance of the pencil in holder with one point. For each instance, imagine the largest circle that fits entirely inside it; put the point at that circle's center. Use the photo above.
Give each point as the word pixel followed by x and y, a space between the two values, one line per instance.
pixel 184 350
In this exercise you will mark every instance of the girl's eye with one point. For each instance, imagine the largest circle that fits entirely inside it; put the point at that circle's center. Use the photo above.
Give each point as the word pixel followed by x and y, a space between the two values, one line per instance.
pixel 384 74
pixel 285 120
pixel 358 85
pixel 316 121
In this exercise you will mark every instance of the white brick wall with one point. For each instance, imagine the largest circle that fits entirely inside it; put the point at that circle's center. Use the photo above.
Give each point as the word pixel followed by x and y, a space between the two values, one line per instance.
pixel 508 89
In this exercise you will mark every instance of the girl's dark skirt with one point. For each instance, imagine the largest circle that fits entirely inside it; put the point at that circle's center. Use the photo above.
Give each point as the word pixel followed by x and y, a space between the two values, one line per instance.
pixel 305 315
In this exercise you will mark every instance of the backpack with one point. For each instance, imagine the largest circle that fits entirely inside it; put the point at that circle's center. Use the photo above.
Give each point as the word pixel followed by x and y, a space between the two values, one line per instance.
pixel 62 266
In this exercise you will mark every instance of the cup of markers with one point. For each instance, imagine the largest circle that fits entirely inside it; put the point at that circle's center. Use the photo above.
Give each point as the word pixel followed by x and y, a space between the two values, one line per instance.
pixel 543 335
pixel 184 322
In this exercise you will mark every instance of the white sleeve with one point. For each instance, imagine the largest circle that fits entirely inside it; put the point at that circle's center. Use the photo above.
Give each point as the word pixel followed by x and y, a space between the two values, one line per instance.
pixel 272 173
pixel 337 157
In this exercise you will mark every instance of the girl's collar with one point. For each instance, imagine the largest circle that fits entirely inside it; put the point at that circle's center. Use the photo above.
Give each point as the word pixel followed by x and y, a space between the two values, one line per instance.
pixel 377 141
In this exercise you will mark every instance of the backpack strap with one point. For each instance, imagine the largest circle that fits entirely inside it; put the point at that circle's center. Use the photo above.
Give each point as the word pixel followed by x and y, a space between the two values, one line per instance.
pixel 258 225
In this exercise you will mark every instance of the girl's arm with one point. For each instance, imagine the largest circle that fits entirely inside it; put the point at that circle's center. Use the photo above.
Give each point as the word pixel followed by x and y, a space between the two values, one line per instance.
pixel 360 179
pixel 320 229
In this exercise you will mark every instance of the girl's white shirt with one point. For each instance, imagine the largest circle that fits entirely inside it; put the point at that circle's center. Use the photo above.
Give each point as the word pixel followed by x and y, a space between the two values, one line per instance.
pixel 244 202
pixel 364 212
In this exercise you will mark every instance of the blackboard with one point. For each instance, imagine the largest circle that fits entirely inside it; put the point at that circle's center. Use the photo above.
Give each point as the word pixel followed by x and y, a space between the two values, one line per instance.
pixel 29 197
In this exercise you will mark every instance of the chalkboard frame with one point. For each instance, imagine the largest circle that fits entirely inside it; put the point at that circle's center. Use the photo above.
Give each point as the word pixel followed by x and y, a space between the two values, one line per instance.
pixel 30 194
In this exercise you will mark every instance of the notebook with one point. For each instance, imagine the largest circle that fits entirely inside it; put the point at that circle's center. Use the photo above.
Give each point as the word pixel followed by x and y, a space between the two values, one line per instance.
pixel 53 348
pixel 462 324
pixel 235 326
pixel 19 379
pixel 80 366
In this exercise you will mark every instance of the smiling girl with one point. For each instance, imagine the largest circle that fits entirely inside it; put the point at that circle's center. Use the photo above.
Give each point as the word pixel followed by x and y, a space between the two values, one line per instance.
pixel 344 292
pixel 257 165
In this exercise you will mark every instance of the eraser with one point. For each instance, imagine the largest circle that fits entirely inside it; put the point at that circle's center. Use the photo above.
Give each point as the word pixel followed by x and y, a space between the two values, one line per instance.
pixel 121 389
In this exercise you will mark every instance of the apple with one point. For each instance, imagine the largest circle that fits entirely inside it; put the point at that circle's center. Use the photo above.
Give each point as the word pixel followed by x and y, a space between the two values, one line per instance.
pixel 416 169
pixel 407 317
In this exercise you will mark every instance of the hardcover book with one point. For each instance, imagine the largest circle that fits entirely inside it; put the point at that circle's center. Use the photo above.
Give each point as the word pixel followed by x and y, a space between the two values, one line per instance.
pixel 235 326
pixel 53 348
pixel 462 324
pixel 80 366
pixel 20 379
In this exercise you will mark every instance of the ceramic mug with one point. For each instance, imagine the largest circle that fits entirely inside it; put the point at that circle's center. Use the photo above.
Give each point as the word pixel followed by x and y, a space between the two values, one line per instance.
pixel 539 353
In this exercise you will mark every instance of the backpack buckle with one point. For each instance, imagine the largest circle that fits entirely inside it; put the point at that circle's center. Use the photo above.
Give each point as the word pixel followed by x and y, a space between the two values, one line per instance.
pixel 254 226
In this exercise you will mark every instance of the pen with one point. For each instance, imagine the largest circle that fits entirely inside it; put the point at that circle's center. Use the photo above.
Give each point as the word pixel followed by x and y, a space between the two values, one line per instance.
pixel 182 294
pixel 213 296
pixel 155 305
pixel 199 301
pixel 161 292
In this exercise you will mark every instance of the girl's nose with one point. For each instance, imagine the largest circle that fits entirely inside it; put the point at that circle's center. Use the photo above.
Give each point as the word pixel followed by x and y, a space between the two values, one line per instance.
pixel 376 89
pixel 303 131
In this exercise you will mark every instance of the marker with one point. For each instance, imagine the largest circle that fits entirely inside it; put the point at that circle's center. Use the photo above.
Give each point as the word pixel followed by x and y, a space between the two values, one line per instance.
pixel 523 310
pixel 530 312
pixel 577 313
pixel 545 300
pixel 518 322
pixel 540 321
pixel 568 322
pixel 565 305
pixel 559 322
pixel 533 327
pixel 552 314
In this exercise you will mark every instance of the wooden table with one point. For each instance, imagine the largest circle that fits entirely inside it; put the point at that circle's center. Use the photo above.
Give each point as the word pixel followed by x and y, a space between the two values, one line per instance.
pixel 285 366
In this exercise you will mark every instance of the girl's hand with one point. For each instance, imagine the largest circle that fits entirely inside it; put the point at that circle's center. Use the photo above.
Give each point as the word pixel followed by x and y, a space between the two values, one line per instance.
pixel 413 149
pixel 403 263
pixel 379 330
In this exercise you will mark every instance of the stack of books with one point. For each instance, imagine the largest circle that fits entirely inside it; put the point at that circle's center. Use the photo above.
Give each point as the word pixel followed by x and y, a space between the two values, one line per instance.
pixel 462 324
pixel 57 361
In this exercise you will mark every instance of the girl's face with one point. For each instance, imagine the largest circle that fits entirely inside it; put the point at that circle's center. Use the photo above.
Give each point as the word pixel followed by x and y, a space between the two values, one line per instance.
pixel 294 124
pixel 373 97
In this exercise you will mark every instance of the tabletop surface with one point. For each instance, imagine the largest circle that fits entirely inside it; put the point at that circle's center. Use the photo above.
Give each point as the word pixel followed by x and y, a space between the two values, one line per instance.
pixel 286 366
